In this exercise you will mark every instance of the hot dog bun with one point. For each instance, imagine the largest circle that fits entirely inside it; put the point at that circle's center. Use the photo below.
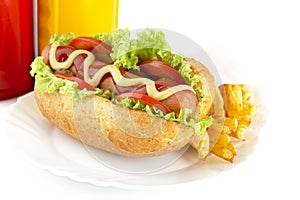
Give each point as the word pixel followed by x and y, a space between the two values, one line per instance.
pixel 97 122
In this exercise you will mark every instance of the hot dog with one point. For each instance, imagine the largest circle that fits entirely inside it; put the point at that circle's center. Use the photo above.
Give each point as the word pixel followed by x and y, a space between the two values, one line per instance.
pixel 133 97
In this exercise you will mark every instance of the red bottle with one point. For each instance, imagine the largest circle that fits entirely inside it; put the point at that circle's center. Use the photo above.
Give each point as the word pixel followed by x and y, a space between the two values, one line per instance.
pixel 16 47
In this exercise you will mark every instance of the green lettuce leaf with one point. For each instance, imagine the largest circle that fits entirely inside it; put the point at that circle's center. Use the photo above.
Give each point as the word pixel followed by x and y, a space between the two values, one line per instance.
pixel 199 126
pixel 104 37
pixel 63 39
pixel 46 81
pixel 183 67
pixel 117 36
pixel 128 51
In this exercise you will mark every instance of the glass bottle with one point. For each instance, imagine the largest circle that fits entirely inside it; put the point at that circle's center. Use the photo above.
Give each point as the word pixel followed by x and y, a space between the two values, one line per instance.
pixel 82 17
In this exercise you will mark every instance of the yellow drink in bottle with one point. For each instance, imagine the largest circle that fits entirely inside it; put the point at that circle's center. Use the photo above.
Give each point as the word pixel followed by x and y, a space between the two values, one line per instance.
pixel 83 17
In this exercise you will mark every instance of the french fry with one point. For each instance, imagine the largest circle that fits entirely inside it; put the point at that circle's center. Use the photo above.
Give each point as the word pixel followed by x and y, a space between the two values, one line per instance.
pixel 231 123
pixel 237 106
pixel 249 109
pixel 224 148
pixel 233 100
pixel 238 116
pixel 239 133
pixel 246 92
pixel 226 130
pixel 244 120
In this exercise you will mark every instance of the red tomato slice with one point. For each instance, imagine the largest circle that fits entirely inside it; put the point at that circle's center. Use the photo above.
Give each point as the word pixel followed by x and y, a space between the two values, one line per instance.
pixel 81 83
pixel 89 43
pixel 147 100
pixel 100 49
pixel 161 70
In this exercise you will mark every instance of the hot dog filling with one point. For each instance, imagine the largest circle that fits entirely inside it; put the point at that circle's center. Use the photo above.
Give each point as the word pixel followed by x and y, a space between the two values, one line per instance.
pixel 153 86
pixel 114 71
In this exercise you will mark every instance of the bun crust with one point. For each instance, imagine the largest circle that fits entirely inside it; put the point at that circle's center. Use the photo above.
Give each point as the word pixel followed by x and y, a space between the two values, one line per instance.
pixel 97 122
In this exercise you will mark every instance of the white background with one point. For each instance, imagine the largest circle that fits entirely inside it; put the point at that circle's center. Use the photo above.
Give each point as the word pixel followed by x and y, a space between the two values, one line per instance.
pixel 258 43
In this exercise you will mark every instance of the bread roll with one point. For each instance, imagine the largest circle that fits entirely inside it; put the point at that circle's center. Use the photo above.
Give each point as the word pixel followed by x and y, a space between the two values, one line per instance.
pixel 97 122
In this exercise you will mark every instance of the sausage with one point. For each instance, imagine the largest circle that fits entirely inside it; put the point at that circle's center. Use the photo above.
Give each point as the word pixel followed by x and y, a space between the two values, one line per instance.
pixel 182 99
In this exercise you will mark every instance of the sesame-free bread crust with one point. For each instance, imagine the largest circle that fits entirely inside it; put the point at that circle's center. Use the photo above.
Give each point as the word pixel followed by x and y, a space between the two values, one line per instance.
pixel 97 122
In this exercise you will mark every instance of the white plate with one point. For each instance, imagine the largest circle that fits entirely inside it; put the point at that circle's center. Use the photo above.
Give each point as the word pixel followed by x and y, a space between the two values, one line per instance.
pixel 49 148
